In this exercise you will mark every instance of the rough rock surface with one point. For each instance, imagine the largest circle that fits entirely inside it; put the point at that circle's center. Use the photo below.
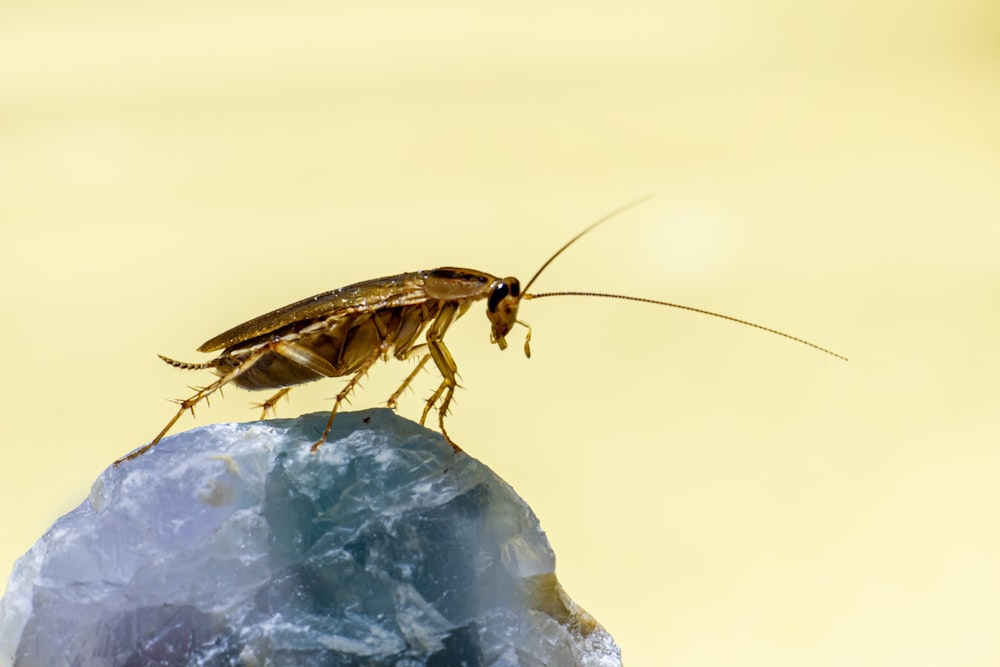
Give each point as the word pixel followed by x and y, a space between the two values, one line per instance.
pixel 233 545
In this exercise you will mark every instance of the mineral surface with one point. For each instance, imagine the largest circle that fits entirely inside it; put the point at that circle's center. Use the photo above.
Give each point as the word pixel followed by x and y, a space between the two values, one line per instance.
pixel 233 545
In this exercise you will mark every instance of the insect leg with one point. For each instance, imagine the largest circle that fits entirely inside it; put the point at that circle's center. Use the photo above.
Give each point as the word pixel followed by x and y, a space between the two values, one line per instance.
pixel 391 403
pixel 303 356
pixel 368 363
pixel 268 405
pixel 446 366
pixel 447 389
pixel 189 403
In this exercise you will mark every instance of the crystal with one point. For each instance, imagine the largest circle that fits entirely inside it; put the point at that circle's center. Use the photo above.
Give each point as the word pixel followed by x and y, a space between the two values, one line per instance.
pixel 233 545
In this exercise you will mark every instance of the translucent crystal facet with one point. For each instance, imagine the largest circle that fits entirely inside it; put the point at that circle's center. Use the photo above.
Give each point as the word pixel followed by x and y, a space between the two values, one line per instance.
pixel 233 545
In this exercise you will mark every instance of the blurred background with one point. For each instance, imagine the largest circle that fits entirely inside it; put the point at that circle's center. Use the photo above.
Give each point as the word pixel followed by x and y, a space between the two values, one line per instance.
pixel 715 495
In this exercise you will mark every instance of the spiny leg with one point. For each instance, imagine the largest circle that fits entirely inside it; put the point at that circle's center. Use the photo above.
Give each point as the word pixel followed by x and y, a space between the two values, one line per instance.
pixel 445 365
pixel 443 411
pixel 303 356
pixel 189 403
pixel 447 389
pixel 368 363
pixel 268 405
pixel 429 403
pixel 391 403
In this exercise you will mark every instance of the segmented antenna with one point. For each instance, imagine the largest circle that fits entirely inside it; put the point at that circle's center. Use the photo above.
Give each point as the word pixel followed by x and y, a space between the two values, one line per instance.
pixel 602 295
pixel 600 221
pixel 693 310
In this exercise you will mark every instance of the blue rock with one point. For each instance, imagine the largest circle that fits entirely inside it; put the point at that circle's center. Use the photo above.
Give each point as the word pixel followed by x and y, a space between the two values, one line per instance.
pixel 233 545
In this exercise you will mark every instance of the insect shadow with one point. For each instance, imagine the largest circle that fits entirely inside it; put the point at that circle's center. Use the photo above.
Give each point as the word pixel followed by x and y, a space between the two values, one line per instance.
pixel 344 332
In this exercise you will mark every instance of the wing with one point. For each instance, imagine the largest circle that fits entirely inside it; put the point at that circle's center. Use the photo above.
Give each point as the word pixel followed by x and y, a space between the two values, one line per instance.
pixel 368 296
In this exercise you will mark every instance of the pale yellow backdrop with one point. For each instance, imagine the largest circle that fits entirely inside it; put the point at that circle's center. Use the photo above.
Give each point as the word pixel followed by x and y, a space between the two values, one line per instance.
pixel 715 495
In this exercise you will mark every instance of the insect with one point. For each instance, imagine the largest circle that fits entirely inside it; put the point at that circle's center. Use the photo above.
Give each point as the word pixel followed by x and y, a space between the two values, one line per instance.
pixel 344 332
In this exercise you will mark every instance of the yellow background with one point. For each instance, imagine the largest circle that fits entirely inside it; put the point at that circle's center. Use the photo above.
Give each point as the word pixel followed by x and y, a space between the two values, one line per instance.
pixel 715 495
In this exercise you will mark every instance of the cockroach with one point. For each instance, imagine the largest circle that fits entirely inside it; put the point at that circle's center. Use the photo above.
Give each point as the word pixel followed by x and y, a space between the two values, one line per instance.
pixel 344 332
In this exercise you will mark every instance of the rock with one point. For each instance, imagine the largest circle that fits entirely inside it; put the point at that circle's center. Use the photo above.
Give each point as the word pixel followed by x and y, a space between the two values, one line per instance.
pixel 233 545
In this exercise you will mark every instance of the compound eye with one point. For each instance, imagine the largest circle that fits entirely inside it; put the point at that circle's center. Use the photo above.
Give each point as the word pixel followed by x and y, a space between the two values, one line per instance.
pixel 500 292
pixel 515 286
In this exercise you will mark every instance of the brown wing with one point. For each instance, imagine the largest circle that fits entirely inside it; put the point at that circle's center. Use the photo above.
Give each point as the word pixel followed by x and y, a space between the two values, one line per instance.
pixel 371 295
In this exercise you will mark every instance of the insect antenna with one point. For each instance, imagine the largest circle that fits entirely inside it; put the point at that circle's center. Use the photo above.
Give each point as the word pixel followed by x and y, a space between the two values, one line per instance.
pixel 689 308
pixel 612 214
pixel 600 221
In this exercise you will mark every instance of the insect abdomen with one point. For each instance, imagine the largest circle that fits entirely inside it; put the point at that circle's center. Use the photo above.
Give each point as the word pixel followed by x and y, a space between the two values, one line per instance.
pixel 345 342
